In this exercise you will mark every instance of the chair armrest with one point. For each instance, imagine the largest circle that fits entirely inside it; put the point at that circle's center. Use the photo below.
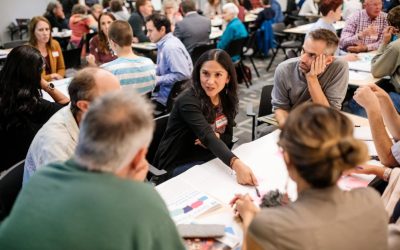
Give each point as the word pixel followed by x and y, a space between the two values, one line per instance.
pixel 249 110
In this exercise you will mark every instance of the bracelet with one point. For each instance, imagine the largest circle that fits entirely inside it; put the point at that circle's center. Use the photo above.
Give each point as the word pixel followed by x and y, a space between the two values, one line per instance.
pixel 386 174
pixel 233 161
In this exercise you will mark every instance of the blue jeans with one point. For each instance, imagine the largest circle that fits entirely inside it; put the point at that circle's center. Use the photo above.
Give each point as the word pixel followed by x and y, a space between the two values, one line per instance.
pixel 356 109
pixel 182 168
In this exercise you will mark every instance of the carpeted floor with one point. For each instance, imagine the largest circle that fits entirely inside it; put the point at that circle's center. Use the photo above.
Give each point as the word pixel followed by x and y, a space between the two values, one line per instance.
pixel 252 96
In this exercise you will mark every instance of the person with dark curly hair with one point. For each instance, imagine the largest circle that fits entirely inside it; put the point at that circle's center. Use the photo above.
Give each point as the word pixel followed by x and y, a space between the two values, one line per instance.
pixel 23 111
pixel 201 123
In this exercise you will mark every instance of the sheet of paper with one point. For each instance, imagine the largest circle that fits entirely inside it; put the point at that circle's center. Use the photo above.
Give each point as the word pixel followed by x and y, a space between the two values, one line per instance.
pixel 364 133
pixel 184 202
pixel 61 85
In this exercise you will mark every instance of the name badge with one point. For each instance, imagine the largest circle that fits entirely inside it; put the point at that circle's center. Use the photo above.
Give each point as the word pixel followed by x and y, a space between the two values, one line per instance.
pixel 55 53
pixel 221 121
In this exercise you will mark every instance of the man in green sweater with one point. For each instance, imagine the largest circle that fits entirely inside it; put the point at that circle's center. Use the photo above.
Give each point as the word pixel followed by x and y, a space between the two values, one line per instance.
pixel 97 199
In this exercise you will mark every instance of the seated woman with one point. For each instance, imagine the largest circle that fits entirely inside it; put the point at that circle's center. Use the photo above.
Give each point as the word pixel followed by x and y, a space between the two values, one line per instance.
pixel 40 38
pixel 100 51
pixel 212 8
pixel 201 123
pixel 80 24
pixel 23 111
pixel 317 146
pixel 234 30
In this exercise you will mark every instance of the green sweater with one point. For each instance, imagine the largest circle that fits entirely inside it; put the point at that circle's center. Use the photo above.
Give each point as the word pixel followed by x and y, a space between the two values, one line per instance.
pixel 67 207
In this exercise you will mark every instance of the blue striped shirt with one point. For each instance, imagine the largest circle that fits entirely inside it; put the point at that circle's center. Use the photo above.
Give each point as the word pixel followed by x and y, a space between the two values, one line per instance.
pixel 137 73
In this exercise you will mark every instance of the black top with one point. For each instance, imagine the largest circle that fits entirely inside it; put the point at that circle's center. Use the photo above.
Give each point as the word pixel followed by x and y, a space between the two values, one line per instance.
pixel 265 14
pixel 57 22
pixel 138 26
pixel 16 138
pixel 186 124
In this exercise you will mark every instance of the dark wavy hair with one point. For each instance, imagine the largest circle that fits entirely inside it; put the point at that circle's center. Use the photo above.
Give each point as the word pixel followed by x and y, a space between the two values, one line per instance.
pixel 228 96
pixel 20 83
pixel 103 41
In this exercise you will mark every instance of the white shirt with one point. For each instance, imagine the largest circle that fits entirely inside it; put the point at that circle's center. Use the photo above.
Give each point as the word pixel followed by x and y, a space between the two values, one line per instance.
pixel 55 141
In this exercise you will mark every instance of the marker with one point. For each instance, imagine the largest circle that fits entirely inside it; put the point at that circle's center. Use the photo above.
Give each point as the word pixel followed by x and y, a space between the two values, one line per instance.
pixel 258 192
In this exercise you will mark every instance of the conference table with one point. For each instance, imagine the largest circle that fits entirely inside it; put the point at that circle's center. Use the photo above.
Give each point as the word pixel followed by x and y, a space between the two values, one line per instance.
pixel 61 85
pixel 148 46
pixel 360 70
pixel 303 29
pixel 4 53
pixel 202 194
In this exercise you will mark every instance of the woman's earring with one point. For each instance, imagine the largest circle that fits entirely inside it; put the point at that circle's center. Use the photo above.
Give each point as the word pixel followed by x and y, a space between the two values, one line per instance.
pixel 226 88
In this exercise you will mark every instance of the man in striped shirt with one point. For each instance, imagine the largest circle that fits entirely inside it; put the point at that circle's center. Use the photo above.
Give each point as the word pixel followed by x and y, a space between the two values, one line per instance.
pixel 133 72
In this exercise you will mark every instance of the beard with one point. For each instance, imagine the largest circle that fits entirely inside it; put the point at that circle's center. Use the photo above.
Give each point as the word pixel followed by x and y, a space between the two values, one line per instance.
pixel 304 67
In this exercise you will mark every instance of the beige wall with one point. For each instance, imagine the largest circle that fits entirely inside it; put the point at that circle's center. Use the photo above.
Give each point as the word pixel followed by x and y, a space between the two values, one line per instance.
pixel 11 9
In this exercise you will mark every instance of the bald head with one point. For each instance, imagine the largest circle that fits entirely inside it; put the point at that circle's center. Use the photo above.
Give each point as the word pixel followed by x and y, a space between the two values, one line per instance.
pixel 88 84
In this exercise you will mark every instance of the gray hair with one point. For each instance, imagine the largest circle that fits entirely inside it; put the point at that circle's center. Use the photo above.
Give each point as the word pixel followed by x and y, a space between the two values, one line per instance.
pixel 231 8
pixel 116 126
pixel 330 38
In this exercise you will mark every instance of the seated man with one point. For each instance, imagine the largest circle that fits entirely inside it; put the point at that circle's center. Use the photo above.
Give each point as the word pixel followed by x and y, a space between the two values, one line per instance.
pixel 234 30
pixel 194 29
pixel 144 8
pixel 56 140
pixel 266 14
pixel 174 63
pixel 315 76
pixel 97 199
pixel 386 62
pixel 133 72
pixel 363 30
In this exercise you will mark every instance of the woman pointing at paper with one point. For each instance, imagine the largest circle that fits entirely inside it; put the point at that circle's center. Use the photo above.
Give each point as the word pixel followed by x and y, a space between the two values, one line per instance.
pixel 318 145
pixel 200 126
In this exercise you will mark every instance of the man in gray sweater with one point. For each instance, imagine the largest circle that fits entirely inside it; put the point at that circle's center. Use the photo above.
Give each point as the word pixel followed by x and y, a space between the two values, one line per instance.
pixel 315 76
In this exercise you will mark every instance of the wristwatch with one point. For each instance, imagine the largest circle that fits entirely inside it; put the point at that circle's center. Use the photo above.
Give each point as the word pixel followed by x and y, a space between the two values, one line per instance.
pixel 50 86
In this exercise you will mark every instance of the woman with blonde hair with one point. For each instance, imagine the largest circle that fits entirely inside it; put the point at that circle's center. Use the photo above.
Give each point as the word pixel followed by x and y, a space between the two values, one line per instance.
pixel 40 38
pixel 318 145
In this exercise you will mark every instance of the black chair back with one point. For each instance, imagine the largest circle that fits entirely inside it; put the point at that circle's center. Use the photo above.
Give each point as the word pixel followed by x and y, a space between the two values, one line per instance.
pixel 72 58
pixel 178 88
pixel 235 47
pixel 199 50
pixel 10 185
pixel 265 101
pixel 161 125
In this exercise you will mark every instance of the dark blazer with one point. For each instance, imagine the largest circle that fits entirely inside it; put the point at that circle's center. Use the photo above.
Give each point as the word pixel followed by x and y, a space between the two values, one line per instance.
pixel 193 30
pixel 139 27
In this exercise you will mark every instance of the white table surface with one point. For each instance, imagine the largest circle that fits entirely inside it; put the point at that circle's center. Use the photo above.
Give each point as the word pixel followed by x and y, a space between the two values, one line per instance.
pixel 61 85
pixel 217 180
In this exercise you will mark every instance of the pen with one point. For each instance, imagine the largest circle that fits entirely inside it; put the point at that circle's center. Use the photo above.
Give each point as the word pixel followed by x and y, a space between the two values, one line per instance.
pixel 258 192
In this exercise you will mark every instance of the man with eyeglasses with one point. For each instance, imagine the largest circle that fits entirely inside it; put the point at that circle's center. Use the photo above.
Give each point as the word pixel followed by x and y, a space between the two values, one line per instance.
pixel 315 76
pixel 364 29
